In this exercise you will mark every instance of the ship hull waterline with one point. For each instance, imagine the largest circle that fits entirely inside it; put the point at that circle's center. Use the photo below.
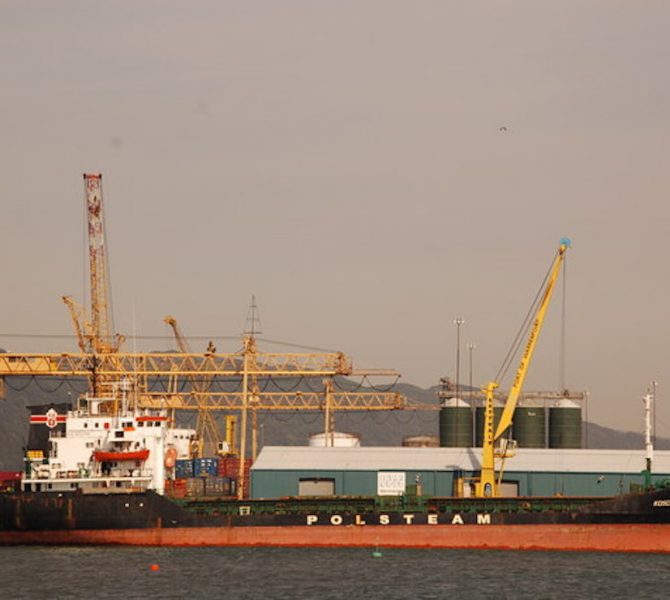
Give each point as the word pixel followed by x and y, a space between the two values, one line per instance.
pixel 645 538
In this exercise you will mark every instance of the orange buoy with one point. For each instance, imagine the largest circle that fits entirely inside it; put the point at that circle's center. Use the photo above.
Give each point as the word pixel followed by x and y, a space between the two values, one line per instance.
pixel 155 568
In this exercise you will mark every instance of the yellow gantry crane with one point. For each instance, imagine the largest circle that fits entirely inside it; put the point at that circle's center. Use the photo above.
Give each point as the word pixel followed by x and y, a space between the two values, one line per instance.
pixel 245 365
pixel 102 363
pixel 486 484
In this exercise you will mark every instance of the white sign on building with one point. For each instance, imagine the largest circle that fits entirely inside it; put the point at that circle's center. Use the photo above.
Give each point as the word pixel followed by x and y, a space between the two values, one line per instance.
pixel 390 483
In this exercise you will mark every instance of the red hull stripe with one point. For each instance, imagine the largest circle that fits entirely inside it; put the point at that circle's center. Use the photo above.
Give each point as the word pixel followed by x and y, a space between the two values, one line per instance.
pixel 43 419
pixel 603 538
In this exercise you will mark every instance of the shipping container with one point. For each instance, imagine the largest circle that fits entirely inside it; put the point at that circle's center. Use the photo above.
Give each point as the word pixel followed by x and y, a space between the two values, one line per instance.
pixel 183 468
pixel 218 486
pixel 205 466
pixel 195 487
pixel 175 488
pixel 229 466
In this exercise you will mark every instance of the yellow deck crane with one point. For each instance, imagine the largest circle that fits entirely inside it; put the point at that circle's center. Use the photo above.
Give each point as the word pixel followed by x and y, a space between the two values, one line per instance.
pixel 486 484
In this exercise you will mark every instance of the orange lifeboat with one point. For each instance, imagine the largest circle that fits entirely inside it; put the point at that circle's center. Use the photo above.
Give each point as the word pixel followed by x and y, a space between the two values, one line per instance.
pixel 102 456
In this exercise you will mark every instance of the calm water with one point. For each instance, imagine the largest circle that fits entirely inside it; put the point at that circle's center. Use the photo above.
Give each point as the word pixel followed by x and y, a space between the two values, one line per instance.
pixel 119 573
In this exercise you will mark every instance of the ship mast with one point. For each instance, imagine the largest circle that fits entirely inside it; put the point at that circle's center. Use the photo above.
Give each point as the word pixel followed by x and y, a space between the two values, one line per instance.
pixel 648 444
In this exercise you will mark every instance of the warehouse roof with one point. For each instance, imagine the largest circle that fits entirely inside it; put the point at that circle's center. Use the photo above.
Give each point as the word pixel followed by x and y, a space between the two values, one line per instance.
pixel 302 458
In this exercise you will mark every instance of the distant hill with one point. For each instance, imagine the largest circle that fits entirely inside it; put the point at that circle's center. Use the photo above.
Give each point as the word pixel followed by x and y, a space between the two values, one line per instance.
pixel 291 429
pixel 604 437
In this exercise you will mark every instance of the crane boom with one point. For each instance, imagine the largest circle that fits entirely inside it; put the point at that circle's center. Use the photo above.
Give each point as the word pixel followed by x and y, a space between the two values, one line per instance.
pixel 182 344
pixel 79 323
pixel 165 364
pixel 522 370
pixel 486 484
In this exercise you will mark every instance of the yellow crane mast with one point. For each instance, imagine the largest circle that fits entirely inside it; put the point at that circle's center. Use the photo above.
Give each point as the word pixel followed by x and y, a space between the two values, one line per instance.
pixel 486 485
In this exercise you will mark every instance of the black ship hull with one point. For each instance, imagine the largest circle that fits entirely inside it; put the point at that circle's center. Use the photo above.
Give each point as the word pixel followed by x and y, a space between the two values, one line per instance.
pixel 635 522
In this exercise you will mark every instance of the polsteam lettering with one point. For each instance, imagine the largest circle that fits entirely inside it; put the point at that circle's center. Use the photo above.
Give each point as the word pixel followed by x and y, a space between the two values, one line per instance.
pixel 399 519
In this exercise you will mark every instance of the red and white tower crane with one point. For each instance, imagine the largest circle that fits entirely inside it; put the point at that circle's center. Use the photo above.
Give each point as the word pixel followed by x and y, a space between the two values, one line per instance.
pixel 94 330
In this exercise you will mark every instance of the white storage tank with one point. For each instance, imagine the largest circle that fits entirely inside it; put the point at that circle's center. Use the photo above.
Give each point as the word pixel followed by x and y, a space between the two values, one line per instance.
pixel 421 441
pixel 340 440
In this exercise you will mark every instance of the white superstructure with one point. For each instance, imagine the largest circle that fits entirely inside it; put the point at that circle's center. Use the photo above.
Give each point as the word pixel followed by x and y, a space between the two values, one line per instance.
pixel 106 446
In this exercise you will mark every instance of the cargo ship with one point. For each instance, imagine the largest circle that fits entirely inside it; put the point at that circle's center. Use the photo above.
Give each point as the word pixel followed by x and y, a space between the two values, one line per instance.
pixel 108 471
pixel 96 477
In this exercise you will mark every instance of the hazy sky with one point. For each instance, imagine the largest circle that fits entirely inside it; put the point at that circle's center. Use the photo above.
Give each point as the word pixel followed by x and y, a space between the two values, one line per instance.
pixel 344 162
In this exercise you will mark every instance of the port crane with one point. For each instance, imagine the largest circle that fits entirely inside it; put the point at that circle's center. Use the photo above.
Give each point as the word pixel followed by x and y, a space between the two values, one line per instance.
pixel 251 400
pixel 102 363
pixel 94 331
pixel 486 484
pixel 207 430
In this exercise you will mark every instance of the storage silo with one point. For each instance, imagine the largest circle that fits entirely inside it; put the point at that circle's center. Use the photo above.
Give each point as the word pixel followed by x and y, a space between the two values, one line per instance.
pixel 456 424
pixel 565 425
pixel 529 426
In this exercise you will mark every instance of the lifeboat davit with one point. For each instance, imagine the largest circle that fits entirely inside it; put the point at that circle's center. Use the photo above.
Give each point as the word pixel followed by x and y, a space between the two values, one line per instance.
pixel 102 456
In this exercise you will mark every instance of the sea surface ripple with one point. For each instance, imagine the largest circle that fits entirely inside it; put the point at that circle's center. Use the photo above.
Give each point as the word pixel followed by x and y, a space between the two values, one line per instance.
pixel 347 574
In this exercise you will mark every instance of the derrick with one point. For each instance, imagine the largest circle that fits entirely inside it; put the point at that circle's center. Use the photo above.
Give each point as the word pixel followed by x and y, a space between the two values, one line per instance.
pixel 486 484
